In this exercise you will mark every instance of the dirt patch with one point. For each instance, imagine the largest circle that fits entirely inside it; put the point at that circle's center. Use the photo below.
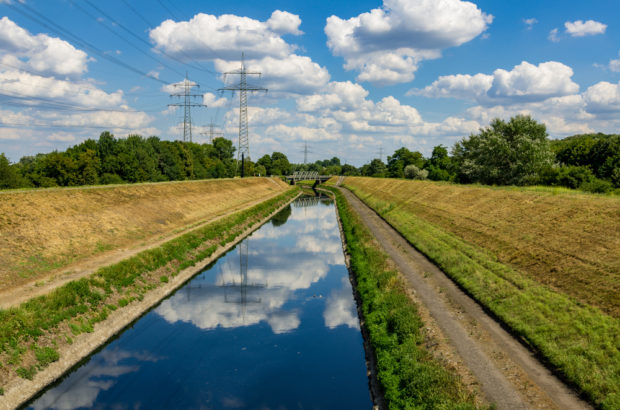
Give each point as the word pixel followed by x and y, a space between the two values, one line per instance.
pixel 49 237
pixel 569 242
pixel 507 373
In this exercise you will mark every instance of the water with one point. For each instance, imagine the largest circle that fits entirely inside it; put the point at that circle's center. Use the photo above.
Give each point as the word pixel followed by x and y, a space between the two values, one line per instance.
pixel 270 325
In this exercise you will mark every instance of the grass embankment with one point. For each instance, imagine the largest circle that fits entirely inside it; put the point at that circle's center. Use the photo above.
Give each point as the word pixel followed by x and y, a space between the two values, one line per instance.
pixel 45 230
pixel 544 264
pixel 33 334
pixel 409 375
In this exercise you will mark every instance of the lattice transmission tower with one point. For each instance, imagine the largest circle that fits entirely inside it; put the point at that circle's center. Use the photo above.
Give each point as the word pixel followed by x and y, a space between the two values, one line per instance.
pixel 212 134
pixel 243 87
pixel 188 102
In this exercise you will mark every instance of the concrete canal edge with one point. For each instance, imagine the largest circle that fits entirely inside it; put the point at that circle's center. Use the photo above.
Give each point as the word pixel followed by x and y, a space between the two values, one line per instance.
pixel 19 391
pixel 376 393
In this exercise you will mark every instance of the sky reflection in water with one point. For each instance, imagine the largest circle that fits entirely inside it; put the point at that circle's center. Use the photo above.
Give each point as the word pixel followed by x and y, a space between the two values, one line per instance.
pixel 282 333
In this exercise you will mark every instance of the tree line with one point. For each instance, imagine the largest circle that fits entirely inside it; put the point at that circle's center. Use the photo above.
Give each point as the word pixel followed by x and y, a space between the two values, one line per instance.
pixel 514 152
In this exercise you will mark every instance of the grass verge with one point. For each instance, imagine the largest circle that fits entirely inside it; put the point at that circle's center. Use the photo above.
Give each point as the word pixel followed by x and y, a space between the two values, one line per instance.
pixel 31 334
pixel 408 374
pixel 580 342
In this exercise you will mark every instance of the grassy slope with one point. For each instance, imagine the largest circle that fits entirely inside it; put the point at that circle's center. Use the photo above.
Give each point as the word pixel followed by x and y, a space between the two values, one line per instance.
pixel 410 377
pixel 468 232
pixel 32 334
pixel 45 229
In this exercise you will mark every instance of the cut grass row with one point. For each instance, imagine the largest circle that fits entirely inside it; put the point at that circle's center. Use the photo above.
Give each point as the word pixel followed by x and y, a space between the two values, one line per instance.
pixel 580 342
pixel 31 334
pixel 408 374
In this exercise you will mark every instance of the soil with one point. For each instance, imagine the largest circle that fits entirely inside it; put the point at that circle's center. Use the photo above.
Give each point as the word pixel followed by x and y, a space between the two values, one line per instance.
pixel 474 344
pixel 78 221
pixel 569 242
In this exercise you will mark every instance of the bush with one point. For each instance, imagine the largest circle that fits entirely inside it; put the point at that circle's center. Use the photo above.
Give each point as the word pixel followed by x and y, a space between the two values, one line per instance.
pixel 108 179
pixel 597 186
pixel 574 177
pixel 413 172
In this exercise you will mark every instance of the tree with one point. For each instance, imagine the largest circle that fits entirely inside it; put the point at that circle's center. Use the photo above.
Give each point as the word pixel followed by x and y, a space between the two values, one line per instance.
pixel 512 153
pixel 279 164
pixel 376 168
pixel 8 176
pixel 349 170
pixel 401 158
pixel 440 166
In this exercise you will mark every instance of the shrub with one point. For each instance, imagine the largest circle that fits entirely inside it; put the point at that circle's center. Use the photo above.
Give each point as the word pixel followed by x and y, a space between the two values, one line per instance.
pixel 413 172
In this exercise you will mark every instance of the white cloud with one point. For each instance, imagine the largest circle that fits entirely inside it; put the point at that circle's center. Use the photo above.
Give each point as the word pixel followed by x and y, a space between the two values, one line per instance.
pixel 41 53
pixel 614 65
pixel 603 98
pixel 525 82
pixel 335 95
pixel 26 85
pixel 212 101
pixel 291 74
pixel 222 40
pixel 553 35
pixel 340 308
pixel 283 22
pixel 387 43
pixel 582 28
pixel 530 22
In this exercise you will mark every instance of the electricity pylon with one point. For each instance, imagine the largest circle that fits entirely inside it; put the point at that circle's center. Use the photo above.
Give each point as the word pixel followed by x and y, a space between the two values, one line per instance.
pixel 243 87
pixel 212 133
pixel 187 105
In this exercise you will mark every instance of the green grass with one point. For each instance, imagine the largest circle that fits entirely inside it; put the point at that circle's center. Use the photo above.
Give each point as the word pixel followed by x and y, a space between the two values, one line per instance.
pixel 580 342
pixel 408 374
pixel 83 303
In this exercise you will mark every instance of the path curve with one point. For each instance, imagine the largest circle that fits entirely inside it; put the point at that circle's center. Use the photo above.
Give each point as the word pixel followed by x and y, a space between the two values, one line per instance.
pixel 509 374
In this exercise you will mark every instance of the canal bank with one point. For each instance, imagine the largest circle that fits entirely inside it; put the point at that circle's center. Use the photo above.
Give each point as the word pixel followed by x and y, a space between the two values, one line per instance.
pixel 271 323
pixel 18 390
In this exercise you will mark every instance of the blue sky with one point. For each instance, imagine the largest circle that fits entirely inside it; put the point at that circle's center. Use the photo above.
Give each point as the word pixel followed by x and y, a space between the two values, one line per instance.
pixel 346 78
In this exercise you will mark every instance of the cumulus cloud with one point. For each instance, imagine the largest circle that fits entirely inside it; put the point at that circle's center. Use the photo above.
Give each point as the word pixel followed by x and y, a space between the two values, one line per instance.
pixel 603 98
pixel 212 101
pixel 283 22
pixel 41 53
pixel 582 28
pixel 222 39
pixel 387 43
pixel 525 82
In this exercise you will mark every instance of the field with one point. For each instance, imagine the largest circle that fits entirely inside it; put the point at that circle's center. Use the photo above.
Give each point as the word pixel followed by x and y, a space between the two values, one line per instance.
pixel 546 265
pixel 46 231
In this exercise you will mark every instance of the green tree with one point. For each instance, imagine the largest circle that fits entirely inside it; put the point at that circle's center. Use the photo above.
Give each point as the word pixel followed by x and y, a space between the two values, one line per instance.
pixel 349 170
pixel 279 164
pixel 400 159
pixel 505 153
pixel 9 178
pixel 440 166
pixel 376 168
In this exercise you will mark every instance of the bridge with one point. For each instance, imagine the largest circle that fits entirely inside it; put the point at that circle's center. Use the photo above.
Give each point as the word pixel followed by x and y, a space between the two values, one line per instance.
pixel 307 176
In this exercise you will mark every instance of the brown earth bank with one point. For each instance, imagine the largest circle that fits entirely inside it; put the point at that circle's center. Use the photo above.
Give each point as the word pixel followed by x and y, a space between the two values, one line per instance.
pixel 569 242
pixel 50 234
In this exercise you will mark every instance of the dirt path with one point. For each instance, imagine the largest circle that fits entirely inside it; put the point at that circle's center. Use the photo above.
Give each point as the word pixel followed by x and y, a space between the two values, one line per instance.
pixel 509 375
pixel 13 296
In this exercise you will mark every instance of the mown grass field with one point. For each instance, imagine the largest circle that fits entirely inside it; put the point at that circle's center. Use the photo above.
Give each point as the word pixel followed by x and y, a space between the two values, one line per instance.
pixel 546 265
pixel 409 375
pixel 42 230
pixel 33 335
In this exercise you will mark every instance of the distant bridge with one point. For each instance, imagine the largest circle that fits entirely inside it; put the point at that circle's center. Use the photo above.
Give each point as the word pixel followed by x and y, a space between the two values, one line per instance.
pixel 307 176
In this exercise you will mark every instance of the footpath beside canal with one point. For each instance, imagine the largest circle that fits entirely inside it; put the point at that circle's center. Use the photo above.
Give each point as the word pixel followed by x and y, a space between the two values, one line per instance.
pixel 54 332
pixel 475 346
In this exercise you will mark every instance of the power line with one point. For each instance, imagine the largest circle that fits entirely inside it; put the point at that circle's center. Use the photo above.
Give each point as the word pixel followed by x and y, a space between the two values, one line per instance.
pixel 45 22
pixel 243 88
pixel 187 105
pixel 212 133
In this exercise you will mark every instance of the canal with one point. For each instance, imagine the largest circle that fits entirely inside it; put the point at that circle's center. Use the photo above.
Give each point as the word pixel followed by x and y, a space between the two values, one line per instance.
pixel 270 325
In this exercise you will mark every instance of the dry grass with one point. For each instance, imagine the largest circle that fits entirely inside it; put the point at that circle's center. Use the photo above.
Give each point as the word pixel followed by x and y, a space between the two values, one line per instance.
pixel 569 242
pixel 44 230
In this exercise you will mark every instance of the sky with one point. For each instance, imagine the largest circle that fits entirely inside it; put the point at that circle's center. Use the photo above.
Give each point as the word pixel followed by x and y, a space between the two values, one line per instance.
pixel 356 80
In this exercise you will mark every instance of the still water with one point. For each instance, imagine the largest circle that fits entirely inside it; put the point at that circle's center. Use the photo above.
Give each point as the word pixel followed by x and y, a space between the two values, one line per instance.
pixel 270 325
